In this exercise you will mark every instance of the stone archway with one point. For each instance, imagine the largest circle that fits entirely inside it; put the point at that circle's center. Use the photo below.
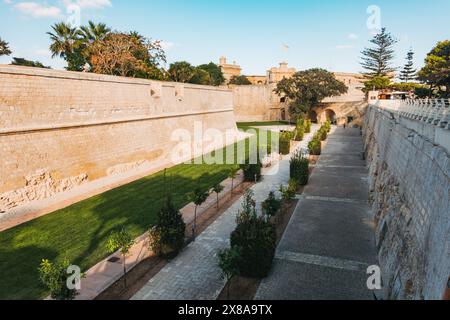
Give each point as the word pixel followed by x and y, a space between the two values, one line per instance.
pixel 331 116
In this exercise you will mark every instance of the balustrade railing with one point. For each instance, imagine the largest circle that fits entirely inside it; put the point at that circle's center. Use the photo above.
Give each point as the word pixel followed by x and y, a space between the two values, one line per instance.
pixel 433 111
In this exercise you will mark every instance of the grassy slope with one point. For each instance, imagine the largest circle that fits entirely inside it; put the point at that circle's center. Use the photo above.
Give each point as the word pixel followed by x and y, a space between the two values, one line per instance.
pixel 79 232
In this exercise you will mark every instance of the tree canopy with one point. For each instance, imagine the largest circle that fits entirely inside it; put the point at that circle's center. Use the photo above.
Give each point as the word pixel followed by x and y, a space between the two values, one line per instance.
pixel 436 71
pixel 124 55
pixel 205 74
pixel 215 73
pixel 4 48
pixel 107 52
pixel 306 89
pixel 181 71
pixel 240 81
pixel 378 59
pixel 28 63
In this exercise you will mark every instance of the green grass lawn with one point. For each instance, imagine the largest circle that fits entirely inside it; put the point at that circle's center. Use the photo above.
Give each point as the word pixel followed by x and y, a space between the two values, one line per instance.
pixel 245 125
pixel 79 232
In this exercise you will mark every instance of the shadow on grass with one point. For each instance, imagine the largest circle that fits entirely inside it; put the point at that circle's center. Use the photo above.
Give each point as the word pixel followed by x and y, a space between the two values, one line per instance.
pixel 19 272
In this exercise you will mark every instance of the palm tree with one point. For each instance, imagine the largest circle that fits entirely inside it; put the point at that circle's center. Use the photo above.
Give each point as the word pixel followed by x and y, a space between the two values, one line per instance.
pixel 67 44
pixel 137 35
pixel 4 48
pixel 93 32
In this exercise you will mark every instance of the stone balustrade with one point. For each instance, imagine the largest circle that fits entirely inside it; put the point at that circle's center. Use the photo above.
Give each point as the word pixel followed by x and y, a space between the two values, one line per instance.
pixel 432 111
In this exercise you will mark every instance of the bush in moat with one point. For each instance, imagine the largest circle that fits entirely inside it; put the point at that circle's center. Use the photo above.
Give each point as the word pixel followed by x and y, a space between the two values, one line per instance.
pixel 315 147
pixel 54 277
pixel 285 142
pixel 327 126
pixel 167 236
pixel 299 168
pixel 308 126
pixel 300 132
pixel 271 205
pixel 256 239
pixel 322 134
pixel 252 172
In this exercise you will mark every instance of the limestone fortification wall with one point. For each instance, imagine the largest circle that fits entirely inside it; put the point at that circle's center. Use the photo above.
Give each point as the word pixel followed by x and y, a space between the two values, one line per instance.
pixel 59 129
pixel 256 103
pixel 410 195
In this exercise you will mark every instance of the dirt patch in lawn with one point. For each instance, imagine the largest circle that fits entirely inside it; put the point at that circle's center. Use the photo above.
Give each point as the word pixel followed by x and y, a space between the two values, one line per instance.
pixel 140 275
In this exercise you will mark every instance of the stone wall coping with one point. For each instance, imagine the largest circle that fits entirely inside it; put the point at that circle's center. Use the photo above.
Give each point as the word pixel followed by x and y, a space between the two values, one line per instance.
pixel 87 76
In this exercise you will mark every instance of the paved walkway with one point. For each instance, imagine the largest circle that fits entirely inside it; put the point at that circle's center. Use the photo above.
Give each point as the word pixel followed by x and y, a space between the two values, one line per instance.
pixel 194 274
pixel 329 242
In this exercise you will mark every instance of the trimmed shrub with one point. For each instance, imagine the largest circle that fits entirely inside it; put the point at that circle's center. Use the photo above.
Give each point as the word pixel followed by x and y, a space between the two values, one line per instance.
pixel 289 192
pixel 251 171
pixel 315 147
pixel 256 239
pixel 299 168
pixel 299 133
pixel 271 206
pixel 54 277
pixel 327 126
pixel 167 236
pixel 322 134
pixel 285 143
pixel 308 126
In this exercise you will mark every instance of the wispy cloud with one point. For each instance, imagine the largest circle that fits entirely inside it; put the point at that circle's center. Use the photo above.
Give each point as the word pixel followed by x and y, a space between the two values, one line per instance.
pixel 38 10
pixel 88 4
pixel 352 36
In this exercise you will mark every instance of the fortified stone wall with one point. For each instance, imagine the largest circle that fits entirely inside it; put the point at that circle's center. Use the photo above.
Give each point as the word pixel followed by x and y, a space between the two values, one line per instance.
pixel 410 195
pixel 256 103
pixel 60 129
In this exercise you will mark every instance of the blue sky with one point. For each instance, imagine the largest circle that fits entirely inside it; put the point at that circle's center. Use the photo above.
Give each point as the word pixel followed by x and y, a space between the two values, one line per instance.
pixel 255 33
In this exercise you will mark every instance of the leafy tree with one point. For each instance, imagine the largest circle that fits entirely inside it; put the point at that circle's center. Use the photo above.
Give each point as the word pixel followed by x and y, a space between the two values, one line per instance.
pixel 123 242
pixel 216 77
pixel 54 276
pixel 200 76
pixel 436 71
pixel 181 71
pixel 240 81
pixel 167 236
pixel 377 83
pixel 125 55
pixel 198 197
pixel 67 43
pixel 217 189
pixel 409 72
pixel 4 48
pixel 306 89
pixel 229 264
pixel 232 175
pixel 377 60
pixel 28 63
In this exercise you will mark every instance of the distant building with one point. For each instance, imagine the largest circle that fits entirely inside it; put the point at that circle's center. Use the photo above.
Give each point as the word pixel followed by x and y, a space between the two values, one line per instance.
pixel 275 75
pixel 229 70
